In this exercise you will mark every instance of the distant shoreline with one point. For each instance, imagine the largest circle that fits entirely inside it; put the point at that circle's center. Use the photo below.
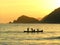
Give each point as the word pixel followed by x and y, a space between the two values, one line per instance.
pixel 29 23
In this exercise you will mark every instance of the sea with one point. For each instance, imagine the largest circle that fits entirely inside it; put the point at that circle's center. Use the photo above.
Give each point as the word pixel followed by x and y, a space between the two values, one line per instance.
pixel 13 34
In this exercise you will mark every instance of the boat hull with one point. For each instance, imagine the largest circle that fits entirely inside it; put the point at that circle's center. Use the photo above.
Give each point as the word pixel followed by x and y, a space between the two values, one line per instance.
pixel 33 31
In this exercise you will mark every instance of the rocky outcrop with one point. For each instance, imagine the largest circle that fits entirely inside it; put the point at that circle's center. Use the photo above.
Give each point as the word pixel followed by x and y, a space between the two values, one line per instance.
pixel 26 19
pixel 53 17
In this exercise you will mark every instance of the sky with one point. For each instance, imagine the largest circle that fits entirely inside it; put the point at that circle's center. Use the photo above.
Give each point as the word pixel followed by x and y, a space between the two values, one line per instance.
pixel 11 9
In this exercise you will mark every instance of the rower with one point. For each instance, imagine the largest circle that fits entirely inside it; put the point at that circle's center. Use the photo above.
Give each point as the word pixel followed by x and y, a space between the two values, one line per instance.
pixel 28 29
pixel 33 30
pixel 37 30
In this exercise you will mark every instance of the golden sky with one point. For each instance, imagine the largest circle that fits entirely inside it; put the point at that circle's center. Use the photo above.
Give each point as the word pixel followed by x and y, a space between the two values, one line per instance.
pixel 12 9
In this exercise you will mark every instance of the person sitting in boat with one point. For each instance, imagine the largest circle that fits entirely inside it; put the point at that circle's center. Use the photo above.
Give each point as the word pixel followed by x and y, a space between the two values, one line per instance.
pixel 28 29
pixel 33 30
pixel 37 30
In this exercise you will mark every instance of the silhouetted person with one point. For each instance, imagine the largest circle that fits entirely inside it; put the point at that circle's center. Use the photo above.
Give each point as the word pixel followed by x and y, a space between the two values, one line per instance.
pixel 33 30
pixel 28 29
pixel 37 29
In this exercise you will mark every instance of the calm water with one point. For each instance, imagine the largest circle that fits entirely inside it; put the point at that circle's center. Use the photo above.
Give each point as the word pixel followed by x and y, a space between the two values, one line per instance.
pixel 12 34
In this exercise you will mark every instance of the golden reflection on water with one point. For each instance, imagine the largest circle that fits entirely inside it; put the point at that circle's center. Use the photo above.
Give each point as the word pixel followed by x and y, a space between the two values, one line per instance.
pixel 50 36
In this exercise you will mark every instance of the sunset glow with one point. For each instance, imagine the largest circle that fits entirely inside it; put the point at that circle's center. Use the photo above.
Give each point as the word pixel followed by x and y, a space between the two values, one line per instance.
pixel 12 9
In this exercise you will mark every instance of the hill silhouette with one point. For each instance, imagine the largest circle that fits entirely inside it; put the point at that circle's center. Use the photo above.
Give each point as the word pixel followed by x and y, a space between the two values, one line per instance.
pixel 53 17
pixel 25 19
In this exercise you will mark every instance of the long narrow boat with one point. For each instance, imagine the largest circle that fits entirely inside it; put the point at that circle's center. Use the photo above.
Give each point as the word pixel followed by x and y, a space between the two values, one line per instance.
pixel 34 31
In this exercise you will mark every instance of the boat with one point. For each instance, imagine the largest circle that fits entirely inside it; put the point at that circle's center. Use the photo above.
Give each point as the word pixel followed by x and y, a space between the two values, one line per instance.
pixel 33 30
